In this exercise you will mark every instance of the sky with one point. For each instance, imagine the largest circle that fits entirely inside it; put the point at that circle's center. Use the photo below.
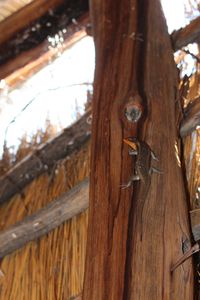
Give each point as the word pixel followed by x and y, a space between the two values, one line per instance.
pixel 174 13
pixel 56 92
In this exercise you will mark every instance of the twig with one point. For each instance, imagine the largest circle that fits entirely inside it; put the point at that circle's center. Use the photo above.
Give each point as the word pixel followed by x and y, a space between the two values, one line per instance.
pixel 192 54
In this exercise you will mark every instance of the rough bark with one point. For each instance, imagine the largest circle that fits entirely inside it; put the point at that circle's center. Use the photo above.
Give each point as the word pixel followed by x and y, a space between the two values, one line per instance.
pixel 44 158
pixel 133 241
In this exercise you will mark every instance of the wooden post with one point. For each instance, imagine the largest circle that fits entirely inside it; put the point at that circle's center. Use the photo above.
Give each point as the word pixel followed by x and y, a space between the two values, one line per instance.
pixel 134 240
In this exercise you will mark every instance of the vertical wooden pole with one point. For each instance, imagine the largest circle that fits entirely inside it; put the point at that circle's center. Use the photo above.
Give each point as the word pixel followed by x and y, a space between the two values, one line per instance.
pixel 164 211
pixel 127 258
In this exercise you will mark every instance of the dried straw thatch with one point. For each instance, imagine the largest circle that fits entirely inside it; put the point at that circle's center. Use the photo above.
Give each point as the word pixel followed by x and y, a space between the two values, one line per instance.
pixel 192 150
pixel 26 146
pixel 53 266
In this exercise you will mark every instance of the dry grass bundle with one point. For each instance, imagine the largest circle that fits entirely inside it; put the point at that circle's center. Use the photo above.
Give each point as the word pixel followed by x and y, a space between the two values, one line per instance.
pixel 192 149
pixel 27 145
pixel 53 266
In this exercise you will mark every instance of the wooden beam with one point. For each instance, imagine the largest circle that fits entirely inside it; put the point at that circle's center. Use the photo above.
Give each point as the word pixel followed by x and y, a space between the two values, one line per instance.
pixel 191 118
pixel 44 158
pixel 184 36
pixel 48 218
pixel 54 22
pixel 23 17
pixel 195 223
pixel 30 60
pixel 23 66
pixel 134 234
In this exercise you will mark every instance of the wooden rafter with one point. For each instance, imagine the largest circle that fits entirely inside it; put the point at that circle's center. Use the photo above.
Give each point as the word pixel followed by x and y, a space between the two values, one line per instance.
pixel 188 34
pixel 28 44
pixel 40 223
pixel 23 17
pixel 191 118
pixel 24 66
pixel 44 158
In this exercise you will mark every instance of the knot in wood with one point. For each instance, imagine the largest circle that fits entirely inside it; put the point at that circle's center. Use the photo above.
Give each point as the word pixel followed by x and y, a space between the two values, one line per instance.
pixel 133 109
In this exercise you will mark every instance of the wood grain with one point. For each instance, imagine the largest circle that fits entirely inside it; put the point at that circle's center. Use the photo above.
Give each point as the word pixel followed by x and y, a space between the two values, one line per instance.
pixel 164 211
pixel 134 56
pixel 48 218
pixel 24 66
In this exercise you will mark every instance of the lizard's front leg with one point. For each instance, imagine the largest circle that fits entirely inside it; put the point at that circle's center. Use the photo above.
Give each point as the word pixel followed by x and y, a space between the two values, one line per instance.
pixel 132 152
pixel 133 178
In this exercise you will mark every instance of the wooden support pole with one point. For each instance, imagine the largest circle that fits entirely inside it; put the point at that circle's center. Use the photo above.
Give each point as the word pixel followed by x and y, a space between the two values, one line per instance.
pixel 188 34
pixel 133 241
pixel 164 212
pixel 40 223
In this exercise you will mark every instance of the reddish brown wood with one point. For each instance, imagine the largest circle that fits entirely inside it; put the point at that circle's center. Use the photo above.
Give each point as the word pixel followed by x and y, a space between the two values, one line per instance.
pixel 184 36
pixel 127 258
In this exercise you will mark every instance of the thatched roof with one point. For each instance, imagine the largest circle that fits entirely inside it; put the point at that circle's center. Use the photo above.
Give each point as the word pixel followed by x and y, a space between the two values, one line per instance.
pixel 45 158
pixel 53 266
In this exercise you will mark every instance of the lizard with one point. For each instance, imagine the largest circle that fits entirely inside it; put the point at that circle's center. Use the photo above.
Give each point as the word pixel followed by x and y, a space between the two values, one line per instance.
pixel 143 165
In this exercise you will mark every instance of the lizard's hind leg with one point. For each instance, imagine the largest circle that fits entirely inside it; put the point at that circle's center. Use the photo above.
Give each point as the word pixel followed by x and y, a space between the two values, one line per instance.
pixel 154 157
pixel 155 170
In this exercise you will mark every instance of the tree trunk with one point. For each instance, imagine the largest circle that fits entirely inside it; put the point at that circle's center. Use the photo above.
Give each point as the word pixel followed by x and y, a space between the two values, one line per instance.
pixel 135 235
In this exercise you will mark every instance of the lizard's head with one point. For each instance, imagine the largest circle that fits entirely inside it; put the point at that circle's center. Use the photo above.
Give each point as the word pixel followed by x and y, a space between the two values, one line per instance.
pixel 132 142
